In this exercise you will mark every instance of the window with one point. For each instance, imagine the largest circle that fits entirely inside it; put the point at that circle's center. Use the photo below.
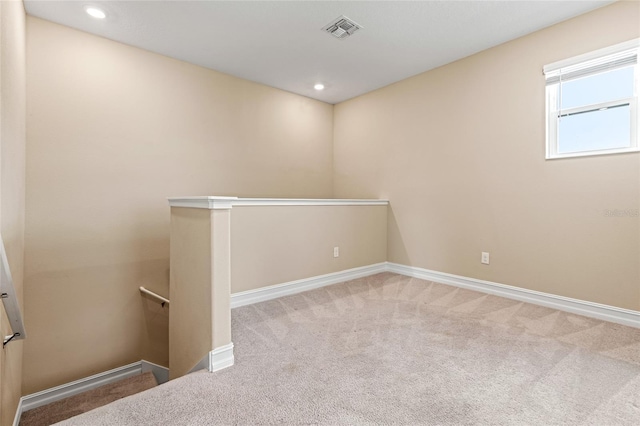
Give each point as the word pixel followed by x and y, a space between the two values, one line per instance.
pixel 592 103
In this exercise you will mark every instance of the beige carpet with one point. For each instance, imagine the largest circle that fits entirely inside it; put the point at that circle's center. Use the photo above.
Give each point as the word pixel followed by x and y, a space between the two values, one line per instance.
pixel 388 349
pixel 78 404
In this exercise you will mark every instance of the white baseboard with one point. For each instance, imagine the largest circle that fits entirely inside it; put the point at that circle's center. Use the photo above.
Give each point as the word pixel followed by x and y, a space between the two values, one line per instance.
pixel 221 357
pixel 215 360
pixel 292 287
pixel 47 396
pixel 73 388
pixel 567 304
pixel 16 418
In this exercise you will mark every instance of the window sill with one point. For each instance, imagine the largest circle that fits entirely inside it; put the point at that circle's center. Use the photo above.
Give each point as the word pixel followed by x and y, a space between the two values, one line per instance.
pixel 593 153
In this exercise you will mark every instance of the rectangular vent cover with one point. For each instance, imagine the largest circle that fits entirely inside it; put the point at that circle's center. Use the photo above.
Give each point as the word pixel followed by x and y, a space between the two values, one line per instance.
pixel 342 27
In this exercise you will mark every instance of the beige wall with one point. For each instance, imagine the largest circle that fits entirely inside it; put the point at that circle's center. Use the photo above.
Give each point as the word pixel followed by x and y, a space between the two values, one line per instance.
pixel 277 244
pixel 190 290
pixel 459 152
pixel 260 246
pixel 12 186
pixel 199 286
pixel 113 131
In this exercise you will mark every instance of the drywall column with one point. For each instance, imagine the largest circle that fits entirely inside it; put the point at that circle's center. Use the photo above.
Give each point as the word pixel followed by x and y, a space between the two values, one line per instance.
pixel 200 285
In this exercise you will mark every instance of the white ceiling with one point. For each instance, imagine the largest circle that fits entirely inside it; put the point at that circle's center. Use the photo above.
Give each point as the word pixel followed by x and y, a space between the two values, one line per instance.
pixel 281 44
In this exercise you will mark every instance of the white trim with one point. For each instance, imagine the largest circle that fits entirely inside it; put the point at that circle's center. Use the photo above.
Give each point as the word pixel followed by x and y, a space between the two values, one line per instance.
pixel 47 396
pixel 16 418
pixel 552 123
pixel 160 372
pixel 292 287
pixel 215 360
pixel 567 304
pixel 226 203
pixel 221 357
pixel 581 307
pixel 245 202
pixel 593 153
pixel 610 50
pixel 57 393
pixel 590 64
pixel 211 203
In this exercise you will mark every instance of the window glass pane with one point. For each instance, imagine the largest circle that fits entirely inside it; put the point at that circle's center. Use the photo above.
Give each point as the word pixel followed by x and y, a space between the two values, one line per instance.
pixel 596 130
pixel 607 86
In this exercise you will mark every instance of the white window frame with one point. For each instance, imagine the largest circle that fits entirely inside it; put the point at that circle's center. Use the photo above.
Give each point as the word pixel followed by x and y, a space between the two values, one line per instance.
pixel 602 57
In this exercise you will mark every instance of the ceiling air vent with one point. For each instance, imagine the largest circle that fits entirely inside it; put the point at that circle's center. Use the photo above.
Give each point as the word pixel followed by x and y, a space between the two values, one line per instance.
pixel 342 27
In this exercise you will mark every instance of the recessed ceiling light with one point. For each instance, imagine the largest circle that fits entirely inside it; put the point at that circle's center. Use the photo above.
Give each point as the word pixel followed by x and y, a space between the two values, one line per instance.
pixel 94 12
pixel 319 86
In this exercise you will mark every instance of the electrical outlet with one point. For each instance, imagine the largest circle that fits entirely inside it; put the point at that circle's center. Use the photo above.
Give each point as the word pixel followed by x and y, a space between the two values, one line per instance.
pixel 484 258
pixel 336 252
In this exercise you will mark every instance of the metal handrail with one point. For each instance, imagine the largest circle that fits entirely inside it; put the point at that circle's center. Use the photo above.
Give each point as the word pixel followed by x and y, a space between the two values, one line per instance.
pixel 10 300
pixel 157 296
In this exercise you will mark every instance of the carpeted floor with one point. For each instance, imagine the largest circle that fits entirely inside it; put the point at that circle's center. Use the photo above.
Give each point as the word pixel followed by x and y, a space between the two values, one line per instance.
pixel 86 401
pixel 389 349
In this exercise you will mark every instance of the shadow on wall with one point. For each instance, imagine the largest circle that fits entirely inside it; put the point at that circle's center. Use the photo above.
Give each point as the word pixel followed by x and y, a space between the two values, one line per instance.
pixel 154 276
pixel 395 243
pixel 88 320
pixel 155 333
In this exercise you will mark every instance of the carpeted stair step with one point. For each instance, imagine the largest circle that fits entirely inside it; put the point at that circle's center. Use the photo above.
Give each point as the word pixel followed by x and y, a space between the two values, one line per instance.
pixel 86 401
